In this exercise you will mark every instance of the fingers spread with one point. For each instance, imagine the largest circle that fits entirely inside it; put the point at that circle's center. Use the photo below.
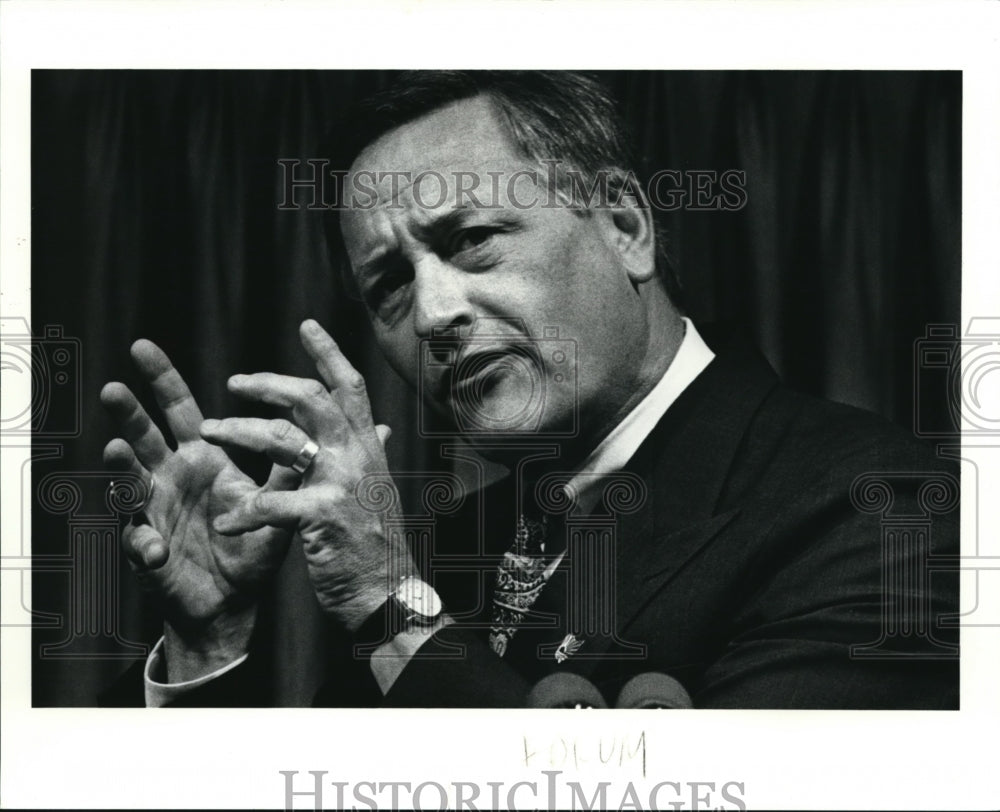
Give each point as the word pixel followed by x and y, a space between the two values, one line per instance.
pixel 144 547
pixel 279 439
pixel 311 404
pixel 136 426
pixel 278 390
pixel 282 479
pixel 172 393
pixel 263 508
pixel 119 456
pixel 338 373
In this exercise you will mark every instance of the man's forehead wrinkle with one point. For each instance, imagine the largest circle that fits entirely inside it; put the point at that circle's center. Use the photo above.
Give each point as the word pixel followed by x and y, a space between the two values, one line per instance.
pixel 388 232
pixel 429 227
pixel 372 235
pixel 417 226
pixel 397 190
pixel 459 180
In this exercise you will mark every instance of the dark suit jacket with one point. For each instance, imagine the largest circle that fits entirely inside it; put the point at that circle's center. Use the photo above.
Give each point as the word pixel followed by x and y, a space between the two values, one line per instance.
pixel 748 574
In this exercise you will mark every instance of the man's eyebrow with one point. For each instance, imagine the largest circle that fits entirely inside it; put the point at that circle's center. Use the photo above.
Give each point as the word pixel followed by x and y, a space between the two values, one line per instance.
pixel 433 229
pixel 437 225
pixel 374 262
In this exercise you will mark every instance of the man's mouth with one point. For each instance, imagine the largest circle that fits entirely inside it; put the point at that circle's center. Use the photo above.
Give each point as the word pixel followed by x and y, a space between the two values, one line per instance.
pixel 478 373
pixel 495 388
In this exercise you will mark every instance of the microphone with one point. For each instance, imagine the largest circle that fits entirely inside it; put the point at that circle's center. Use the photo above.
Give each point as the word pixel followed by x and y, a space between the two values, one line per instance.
pixel 653 690
pixel 565 690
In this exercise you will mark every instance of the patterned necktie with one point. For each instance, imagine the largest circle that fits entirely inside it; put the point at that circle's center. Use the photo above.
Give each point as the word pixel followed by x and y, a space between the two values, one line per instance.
pixel 520 578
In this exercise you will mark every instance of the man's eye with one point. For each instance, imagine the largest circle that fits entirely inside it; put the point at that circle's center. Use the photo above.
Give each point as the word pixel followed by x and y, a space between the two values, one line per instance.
pixel 388 286
pixel 469 238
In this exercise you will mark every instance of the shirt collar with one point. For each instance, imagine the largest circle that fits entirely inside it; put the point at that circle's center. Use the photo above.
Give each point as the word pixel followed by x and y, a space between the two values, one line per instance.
pixel 617 448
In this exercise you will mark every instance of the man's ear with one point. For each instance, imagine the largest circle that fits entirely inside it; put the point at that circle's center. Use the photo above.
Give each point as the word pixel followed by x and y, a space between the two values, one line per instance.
pixel 633 234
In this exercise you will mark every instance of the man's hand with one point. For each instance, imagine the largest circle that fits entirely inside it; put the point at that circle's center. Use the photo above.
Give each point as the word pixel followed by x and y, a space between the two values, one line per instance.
pixel 352 563
pixel 208 582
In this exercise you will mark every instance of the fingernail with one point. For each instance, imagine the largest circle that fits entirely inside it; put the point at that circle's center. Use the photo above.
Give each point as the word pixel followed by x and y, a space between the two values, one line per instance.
pixel 310 326
pixel 236 380
pixel 209 425
pixel 154 556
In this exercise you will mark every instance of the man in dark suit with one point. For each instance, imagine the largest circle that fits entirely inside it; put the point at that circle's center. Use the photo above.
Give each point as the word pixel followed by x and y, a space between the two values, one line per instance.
pixel 671 508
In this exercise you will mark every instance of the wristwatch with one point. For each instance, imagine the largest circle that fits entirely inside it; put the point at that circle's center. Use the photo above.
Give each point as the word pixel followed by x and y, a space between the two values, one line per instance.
pixel 414 603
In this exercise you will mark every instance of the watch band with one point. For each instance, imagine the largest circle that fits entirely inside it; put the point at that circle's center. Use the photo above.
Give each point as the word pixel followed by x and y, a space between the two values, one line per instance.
pixel 378 628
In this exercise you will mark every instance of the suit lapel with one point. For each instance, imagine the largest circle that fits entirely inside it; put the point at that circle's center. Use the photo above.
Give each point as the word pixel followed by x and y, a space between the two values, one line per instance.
pixel 684 464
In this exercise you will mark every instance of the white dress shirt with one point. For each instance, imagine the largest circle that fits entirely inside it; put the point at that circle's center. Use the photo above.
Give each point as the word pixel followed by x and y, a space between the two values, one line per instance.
pixel 611 455
pixel 617 448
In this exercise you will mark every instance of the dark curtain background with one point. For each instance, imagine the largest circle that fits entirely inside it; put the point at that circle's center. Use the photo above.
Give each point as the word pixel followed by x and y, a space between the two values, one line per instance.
pixel 155 213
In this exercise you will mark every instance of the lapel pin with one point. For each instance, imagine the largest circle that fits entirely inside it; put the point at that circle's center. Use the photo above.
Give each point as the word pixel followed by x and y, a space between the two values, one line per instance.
pixel 567 648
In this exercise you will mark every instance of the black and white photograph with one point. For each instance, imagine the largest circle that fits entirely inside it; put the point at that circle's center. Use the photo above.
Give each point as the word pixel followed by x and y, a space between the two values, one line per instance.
pixel 475 392
pixel 606 335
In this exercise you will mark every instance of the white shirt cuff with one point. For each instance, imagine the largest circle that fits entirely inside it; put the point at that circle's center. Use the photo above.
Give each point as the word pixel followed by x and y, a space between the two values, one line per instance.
pixel 159 694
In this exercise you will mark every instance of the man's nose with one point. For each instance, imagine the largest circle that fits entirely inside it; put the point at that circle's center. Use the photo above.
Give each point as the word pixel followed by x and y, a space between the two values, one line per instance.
pixel 441 296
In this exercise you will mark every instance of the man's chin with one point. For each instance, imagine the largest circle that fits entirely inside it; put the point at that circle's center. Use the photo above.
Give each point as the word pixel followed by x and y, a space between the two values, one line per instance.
pixel 511 415
pixel 503 405
pixel 507 432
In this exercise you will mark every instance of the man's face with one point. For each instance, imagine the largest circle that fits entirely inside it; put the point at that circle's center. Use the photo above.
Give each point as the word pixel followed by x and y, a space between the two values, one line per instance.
pixel 498 270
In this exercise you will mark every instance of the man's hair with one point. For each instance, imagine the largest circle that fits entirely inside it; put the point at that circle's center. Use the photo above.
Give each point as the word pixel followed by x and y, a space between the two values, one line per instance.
pixel 569 118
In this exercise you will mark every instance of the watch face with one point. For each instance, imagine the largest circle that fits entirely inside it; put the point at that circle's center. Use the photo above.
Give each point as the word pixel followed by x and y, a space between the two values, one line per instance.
pixel 419 597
